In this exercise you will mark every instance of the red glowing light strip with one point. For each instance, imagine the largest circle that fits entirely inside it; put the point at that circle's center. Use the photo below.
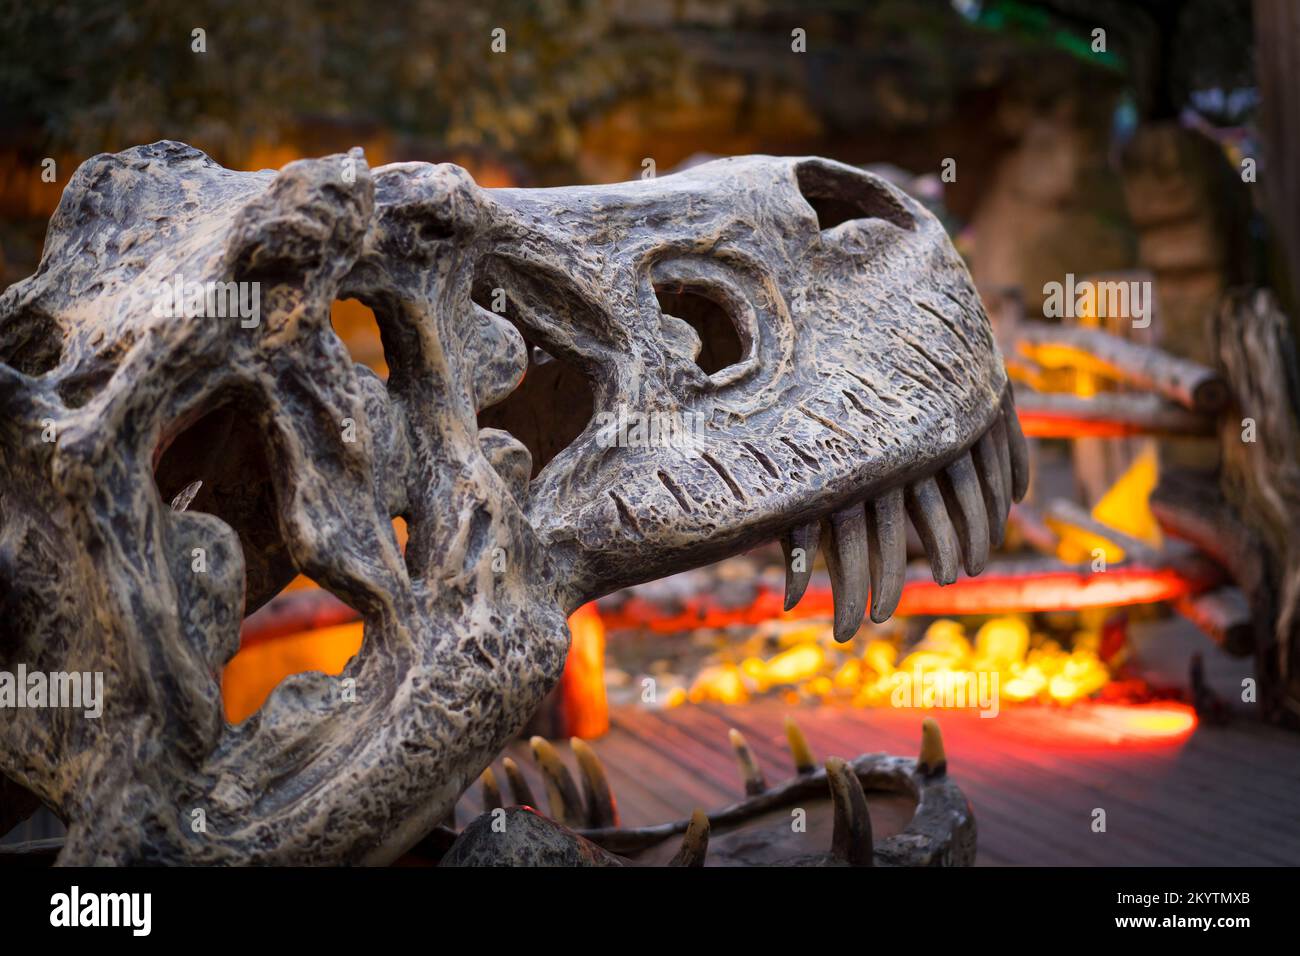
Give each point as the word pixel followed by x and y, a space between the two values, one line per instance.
pixel 1057 589
pixel 1028 586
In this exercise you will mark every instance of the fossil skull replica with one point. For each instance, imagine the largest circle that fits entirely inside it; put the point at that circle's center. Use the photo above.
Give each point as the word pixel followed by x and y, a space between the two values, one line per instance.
pixel 161 477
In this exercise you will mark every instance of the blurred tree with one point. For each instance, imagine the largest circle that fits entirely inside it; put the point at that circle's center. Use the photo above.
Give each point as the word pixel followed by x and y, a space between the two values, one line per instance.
pixel 87 76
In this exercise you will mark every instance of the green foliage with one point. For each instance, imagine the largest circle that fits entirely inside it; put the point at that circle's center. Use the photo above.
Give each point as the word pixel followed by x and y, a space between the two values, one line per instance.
pixel 90 76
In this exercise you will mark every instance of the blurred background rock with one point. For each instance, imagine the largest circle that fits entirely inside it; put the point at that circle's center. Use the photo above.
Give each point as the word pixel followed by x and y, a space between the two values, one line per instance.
pixel 1060 150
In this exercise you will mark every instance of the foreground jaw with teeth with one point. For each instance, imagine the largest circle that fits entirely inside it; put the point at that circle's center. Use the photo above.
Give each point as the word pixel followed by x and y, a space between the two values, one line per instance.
pixel 959 512
pixel 586 830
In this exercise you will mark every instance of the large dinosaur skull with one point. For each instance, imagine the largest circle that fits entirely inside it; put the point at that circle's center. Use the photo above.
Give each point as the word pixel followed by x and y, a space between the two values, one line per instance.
pixel 867 374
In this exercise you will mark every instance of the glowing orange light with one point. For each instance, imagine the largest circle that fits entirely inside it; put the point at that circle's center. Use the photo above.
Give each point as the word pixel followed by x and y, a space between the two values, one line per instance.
pixel 1158 721
pixel 583 705
pixel 255 671
pixel 1000 659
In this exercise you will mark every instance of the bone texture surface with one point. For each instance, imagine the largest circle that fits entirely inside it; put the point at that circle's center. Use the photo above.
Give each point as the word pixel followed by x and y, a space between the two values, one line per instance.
pixel 164 473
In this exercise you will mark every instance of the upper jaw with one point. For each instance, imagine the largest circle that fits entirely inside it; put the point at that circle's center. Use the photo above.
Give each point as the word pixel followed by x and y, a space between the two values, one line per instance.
pixel 957 496
pixel 870 375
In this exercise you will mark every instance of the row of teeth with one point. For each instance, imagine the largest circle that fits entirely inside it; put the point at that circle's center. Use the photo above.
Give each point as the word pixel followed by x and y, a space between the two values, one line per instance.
pixel 958 513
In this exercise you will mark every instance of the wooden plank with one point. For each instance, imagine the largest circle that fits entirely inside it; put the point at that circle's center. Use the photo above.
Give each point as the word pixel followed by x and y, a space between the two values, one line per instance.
pixel 1033 775
pixel 1042 811
pixel 1158 841
pixel 994 816
pixel 1161 802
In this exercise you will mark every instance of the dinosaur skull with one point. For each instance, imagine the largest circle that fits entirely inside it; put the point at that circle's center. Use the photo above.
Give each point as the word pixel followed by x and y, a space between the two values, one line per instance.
pixel 161 475
pixel 867 369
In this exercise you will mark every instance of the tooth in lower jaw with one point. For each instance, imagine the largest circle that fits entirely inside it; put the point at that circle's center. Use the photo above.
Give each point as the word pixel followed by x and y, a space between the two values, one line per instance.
pixel 932 761
pixel 602 811
pixel 846 559
pixel 803 540
pixel 491 790
pixel 930 518
pixel 800 752
pixel 961 491
pixel 995 492
pixel 1017 448
pixel 561 792
pixel 1004 463
pixel 750 772
pixel 851 839
pixel 695 842
pixel 520 792
pixel 887 544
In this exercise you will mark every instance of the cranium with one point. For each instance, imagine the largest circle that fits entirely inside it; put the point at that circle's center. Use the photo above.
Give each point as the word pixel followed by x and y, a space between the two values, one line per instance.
pixel 868 374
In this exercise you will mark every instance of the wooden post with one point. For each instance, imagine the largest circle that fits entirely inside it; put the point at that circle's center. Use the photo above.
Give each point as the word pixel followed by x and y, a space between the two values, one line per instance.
pixel 1190 384
pixel 1277 57
pixel 1260 480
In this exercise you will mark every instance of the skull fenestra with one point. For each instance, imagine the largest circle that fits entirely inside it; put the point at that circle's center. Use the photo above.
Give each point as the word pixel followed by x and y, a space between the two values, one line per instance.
pixel 868 391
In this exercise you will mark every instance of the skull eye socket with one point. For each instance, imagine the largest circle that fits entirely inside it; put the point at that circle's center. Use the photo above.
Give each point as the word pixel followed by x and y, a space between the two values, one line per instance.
pixel 218 464
pixel 720 345
pixel 550 407
pixel 838 194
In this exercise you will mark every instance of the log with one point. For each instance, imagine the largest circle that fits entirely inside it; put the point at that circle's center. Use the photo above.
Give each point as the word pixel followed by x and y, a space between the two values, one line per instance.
pixel 1190 384
pixel 1224 615
pixel 1190 505
pixel 1068 513
pixel 1109 415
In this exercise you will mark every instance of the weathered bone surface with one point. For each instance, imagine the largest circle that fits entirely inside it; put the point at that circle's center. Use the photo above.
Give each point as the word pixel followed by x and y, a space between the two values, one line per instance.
pixel 868 368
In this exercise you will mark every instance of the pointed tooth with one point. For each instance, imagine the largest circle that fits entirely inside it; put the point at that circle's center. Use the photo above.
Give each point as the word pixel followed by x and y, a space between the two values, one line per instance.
pixel 888 547
pixel 1017 448
pixel 520 792
pixel 602 810
pixel 695 842
pixel 804 762
pixel 995 493
pixel 933 526
pixel 932 761
pixel 1004 464
pixel 750 772
pixel 851 839
pixel 846 559
pixel 491 790
pixel 561 792
pixel 961 491
pixel 803 539
pixel 185 497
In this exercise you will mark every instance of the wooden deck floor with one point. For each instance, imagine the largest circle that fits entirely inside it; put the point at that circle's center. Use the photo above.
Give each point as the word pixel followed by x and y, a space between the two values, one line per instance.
pixel 1034 776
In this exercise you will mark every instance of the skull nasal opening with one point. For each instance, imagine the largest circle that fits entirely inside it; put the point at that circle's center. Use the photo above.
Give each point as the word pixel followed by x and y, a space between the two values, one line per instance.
pixel 838 194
